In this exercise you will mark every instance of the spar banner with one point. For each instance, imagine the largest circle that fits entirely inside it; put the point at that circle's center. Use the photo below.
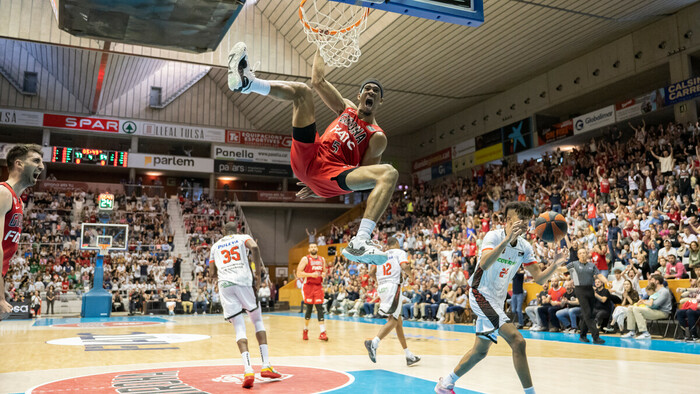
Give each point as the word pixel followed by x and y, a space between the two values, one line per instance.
pixel 641 105
pixel 517 137
pixel 432 160
pixel 682 91
pixel 258 139
pixel 250 168
pixel 595 120
pixel 556 132
pixel 20 310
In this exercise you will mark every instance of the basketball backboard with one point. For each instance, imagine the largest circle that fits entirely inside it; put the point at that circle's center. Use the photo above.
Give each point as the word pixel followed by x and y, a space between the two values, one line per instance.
pixel 92 235
pixel 462 12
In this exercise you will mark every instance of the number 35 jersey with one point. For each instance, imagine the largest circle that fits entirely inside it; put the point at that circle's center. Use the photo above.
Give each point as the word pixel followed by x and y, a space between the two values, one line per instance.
pixel 493 283
pixel 231 258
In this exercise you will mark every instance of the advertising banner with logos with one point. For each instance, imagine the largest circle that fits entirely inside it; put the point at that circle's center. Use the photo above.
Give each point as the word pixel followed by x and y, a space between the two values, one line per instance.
pixel 258 139
pixel 641 105
pixel 682 91
pixel 20 310
pixel 556 132
pixel 255 155
pixel 429 161
pixel 463 162
pixel 71 186
pixel 166 162
pixel 165 130
pixel 489 139
pixel 20 118
pixel 594 120
pixel 250 168
pixel 464 147
pixel 517 137
pixel 491 153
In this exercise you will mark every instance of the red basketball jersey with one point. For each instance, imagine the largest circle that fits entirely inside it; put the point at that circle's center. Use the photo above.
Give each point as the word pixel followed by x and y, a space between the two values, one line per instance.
pixel 346 139
pixel 314 265
pixel 12 230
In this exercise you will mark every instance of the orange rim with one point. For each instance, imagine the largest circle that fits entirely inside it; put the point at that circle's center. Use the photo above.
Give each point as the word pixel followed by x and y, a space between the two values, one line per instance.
pixel 330 32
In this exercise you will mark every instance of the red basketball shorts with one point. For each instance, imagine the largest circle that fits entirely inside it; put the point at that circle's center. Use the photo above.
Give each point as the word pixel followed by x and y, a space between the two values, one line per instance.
pixel 312 294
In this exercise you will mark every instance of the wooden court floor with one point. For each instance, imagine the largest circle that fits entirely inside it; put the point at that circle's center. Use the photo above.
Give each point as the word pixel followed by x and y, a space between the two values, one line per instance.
pixel 199 354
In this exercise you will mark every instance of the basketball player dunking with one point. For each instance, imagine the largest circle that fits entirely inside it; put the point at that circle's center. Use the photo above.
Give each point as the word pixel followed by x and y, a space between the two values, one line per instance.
pixel 502 253
pixel 388 277
pixel 311 269
pixel 24 164
pixel 230 269
pixel 345 158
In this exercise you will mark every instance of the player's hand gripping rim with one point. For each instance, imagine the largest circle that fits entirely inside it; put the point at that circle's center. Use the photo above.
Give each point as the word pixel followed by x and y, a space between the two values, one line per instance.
pixel 306 192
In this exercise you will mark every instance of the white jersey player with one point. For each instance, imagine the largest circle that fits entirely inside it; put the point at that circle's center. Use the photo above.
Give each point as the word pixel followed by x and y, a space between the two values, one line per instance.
pixel 502 253
pixel 230 269
pixel 389 278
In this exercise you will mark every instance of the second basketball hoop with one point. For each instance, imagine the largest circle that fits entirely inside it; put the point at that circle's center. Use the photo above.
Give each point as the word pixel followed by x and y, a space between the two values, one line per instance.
pixel 335 28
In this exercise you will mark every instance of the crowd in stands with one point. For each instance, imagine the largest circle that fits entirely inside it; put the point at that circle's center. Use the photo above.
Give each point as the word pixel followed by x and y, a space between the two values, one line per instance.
pixel 630 199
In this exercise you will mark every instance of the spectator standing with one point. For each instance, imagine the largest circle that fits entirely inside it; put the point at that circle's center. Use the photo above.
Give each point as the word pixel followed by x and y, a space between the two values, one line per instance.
pixel 518 297
pixel 50 298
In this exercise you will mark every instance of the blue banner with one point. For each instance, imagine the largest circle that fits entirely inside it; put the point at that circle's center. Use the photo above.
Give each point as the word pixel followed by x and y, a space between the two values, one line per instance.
pixel 441 170
pixel 682 91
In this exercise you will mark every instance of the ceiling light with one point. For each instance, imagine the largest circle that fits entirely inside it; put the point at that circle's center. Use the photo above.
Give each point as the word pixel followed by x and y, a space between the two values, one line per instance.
pixel 596 72
pixel 662 45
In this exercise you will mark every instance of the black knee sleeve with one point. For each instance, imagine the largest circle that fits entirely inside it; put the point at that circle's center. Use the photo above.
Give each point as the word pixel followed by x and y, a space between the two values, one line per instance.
pixel 309 308
pixel 319 311
pixel 305 134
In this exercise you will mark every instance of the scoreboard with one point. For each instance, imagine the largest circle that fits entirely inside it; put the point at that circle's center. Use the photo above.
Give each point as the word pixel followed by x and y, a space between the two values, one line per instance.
pixel 98 157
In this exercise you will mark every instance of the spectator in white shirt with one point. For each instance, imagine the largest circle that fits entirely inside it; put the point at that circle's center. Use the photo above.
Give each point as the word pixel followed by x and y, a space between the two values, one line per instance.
pixel 667 250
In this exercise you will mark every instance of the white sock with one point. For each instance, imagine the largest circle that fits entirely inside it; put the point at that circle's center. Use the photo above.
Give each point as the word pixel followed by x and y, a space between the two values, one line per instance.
pixel 323 327
pixel 408 353
pixel 265 356
pixel 530 390
pixel 260 86
pixel 375 342
pixel 246 362
pixel 450 379
pixel 366 228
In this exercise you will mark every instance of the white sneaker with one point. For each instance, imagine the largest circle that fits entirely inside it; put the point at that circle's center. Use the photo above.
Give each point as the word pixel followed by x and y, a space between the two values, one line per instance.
pixel 364 251
pixel 629 334
pixel 240 74
pixel 444 389
pixel 644 335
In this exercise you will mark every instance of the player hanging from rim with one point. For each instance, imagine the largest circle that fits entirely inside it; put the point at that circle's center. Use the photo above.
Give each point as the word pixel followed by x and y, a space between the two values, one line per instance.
pixel 388 278
pixel 230 269
pixel 24 164
pixel 345 158
pixel 502 253
pixel 311 269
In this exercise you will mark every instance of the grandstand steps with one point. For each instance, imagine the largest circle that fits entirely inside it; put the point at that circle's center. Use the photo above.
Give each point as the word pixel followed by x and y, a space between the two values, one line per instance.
pixel 180 240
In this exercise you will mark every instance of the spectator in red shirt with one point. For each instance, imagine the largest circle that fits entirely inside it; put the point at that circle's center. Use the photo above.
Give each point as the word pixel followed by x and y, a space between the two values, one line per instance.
pixel 552 303
pixel 371 301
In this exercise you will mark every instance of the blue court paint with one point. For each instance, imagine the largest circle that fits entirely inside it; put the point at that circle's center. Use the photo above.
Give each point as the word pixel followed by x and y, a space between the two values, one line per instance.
pixel 613 341
pixel 383 381
pixel 73 320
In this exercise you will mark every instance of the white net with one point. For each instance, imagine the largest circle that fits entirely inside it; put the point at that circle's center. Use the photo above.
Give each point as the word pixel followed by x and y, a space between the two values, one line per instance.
pixel 335 28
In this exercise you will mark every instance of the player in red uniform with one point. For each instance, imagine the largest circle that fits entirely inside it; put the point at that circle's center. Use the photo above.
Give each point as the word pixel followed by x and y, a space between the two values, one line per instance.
pixel 24 164
pixel 311 269
pixel 345 158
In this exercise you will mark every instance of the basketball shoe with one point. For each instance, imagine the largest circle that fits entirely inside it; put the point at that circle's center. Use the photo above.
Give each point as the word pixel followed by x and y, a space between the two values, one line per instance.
pixel 444 389
pixel 270 372
pixel 371 351
pixel 240 74
pixel 411 361
pixel 323 336
pixel 364 251
pixel 248 380
pixel 305 335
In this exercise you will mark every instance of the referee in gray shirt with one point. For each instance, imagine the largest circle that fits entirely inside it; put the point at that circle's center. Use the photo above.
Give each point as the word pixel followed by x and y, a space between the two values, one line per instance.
pixel 584 274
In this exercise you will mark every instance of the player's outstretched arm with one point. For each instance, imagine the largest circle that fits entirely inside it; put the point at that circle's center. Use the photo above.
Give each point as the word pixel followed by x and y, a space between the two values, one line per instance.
pixel 5 206
pixel 540 276
pixel 328 93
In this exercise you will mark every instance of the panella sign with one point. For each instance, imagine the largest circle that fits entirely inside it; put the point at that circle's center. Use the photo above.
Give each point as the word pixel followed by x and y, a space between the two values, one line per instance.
pixel 81 123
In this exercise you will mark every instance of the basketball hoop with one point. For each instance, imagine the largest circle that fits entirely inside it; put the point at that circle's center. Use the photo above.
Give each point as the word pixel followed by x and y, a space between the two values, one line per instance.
pixel 103 249
pixel 335 29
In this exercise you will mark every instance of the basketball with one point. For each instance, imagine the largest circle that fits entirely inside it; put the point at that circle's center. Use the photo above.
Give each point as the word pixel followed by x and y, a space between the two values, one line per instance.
pixel 551 226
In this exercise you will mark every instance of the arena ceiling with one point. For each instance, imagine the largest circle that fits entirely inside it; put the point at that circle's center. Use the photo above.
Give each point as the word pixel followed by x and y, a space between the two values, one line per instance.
pixel 430 69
